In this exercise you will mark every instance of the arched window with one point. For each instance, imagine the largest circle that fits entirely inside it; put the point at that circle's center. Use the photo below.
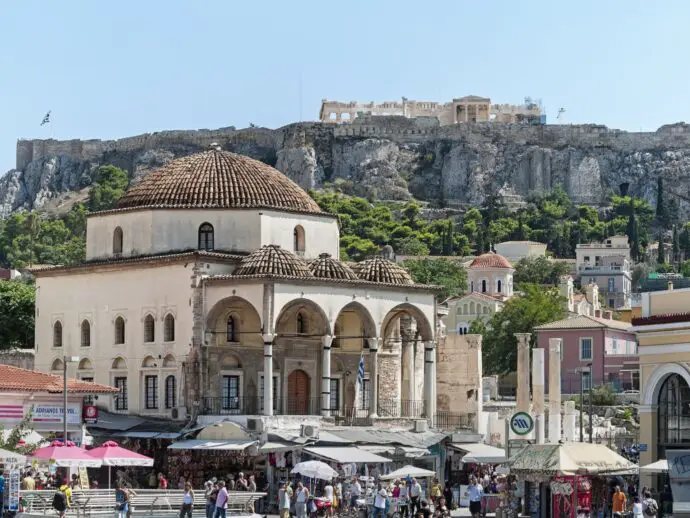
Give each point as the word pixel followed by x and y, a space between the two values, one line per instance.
pixel 149 329
pixel 85 334
pixel 674 411
pixel 471 286
pixel 117 241
pixel 206 236
pixel 499 286
pixel 484 286
pixel 119 331
pixel 169 328
pixel 57 334
pixel 485 310
pixel 57 365
pixel 170 392
pixel 298 236
pixel 301 324
pixel 471 308
pixel 231 329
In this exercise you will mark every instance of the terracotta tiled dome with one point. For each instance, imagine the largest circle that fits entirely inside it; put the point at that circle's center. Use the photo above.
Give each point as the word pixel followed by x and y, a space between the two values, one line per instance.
pixel 273 260
pixel 325 267
pixel 490 260
pixel 220 180
pixel 379 269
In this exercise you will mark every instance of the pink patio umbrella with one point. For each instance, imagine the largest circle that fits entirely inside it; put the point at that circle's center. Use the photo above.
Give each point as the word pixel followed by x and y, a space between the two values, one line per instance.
pixel 112 454
pixel 65 455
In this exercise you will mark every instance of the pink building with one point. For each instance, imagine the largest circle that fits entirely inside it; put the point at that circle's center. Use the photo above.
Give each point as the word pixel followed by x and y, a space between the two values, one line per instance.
pixel 606 346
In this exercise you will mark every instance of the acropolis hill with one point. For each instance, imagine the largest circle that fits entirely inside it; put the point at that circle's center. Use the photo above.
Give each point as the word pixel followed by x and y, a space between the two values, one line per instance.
pixel 386 157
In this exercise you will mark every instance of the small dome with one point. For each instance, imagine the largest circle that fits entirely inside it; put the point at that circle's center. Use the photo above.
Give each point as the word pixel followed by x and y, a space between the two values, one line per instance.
pixel 273 260
pixel 325 267
pixel 218 179
pixel 490 260
pixel 379 269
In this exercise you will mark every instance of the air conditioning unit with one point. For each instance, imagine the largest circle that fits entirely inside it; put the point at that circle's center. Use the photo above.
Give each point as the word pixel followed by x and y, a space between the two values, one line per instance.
pixel 421 425
pixel 309 431
pixel 255 425
pixel 175 413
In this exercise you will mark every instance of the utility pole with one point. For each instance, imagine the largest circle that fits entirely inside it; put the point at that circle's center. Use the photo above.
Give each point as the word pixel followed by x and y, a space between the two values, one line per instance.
pixel 582 402
pixel 589 366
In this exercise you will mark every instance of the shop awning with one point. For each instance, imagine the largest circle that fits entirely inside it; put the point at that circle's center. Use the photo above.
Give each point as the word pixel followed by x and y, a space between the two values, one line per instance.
pixel 479 453
pixel 345 455
pixel 391 449
pixel 197 444
pixel 270 447
pixel 148 435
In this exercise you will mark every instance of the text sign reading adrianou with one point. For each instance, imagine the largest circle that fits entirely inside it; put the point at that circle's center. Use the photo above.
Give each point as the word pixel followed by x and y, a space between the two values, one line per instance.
pixel 521 423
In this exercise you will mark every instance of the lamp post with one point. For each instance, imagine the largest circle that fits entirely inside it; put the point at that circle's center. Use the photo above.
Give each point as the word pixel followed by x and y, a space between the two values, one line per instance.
pixel 65 361
pixel 582 370
pixel 589 368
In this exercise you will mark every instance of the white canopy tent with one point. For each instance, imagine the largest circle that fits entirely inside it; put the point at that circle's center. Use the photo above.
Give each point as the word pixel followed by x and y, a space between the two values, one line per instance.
pixel 479 453
pixel 345 455
pixel 409 471
pixel 660 466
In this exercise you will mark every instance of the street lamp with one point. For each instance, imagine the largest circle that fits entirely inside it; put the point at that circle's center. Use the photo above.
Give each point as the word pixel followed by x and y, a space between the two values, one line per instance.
pixel 65 361
pixel 589 368
pixel 582 370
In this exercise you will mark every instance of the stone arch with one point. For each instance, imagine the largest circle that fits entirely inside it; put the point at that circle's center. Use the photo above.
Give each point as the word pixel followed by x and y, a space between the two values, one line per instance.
pixel 169 361
pixel 317 323
pixel 230 361
pixel 118 239
pixel 424 327
pixel 354 323
pixel 119 363
pixel 85 365
pixel 148 362
pixel 57 365
pixel 247 322
pixel 657 378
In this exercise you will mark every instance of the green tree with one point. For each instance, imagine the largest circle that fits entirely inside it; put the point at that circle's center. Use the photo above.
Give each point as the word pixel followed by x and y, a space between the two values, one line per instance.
pixel 519 315
pixel 109 185
pixel 660 255
pixel 442 272
pixel 17 308
pixel 685 268
pixel 539 270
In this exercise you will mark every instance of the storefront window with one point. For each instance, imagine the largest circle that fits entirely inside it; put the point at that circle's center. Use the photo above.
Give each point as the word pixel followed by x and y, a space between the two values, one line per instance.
pixel 674 411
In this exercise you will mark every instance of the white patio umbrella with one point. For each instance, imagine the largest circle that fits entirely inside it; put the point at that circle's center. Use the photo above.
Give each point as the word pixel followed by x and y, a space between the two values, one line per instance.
pixel 315 469
pixel 660 466
pixel 409 471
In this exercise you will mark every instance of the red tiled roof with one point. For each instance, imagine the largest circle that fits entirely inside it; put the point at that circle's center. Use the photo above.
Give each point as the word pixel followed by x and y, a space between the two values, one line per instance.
pixel 14 379
pixel 668 318
pixel 491 260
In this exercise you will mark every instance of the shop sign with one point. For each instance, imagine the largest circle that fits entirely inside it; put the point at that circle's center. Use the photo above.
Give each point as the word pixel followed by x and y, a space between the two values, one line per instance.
pixel 642 447
pixel 52 413
pixel 90 414
pixel 521 423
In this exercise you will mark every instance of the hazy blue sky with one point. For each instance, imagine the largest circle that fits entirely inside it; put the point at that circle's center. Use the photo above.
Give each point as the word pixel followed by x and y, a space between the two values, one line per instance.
pixel 113 69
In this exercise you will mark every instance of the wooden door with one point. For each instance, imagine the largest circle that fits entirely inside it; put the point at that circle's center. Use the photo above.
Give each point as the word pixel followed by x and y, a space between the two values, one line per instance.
pixel 298 393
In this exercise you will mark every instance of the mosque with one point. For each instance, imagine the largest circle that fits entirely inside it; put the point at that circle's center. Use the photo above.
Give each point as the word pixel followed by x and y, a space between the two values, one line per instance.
pixel 215 287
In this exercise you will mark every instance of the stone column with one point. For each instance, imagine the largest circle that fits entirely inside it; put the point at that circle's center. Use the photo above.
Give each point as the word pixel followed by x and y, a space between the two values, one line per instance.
pixel 373 376
pixel 538 393
pixel 430 380
pixel 268 374
pixel 569 421
pixel 523 371
pixel 555 345
pixel 326 341
pixel 474 361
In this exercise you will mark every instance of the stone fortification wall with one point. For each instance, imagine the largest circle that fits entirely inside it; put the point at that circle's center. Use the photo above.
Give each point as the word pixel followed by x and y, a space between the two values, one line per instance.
pixel 386 157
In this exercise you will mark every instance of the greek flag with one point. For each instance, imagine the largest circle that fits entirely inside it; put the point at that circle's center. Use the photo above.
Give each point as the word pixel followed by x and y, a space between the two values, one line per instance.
pixel 46 119
pixel 360 381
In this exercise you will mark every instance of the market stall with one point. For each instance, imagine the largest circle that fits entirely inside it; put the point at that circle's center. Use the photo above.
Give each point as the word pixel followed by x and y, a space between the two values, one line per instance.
pixel 562 476
pixel 112 454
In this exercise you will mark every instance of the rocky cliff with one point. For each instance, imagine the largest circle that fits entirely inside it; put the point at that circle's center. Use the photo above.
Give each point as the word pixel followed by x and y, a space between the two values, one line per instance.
pixel 392 158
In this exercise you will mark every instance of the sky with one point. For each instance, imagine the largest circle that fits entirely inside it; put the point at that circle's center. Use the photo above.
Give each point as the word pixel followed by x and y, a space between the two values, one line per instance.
pixel 116 69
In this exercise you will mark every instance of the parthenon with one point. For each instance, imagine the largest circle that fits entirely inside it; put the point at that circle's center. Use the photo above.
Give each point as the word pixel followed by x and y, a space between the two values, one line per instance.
pixel 471 108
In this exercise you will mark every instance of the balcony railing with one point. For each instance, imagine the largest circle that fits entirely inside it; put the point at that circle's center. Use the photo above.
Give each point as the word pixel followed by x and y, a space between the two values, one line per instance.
pixel 400 408
pixel 453 420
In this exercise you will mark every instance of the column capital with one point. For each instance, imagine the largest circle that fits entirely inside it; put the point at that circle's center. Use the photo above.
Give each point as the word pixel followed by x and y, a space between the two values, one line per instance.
pixel 268 338
pixel 523 339
pixel 373 344
pixel 555 345
pixel 474 341
pixel 429 345
pixel 326 341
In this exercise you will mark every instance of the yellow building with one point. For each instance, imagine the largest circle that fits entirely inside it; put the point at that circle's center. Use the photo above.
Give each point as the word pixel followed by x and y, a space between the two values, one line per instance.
pixel 663 333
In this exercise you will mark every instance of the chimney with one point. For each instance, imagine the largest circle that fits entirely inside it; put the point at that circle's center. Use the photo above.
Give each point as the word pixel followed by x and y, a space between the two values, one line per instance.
pixel 597 313
pixel 608 315
pixel 669 286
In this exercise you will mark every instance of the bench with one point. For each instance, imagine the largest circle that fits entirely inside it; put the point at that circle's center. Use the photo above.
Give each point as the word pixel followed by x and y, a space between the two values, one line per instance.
pixel 145 502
